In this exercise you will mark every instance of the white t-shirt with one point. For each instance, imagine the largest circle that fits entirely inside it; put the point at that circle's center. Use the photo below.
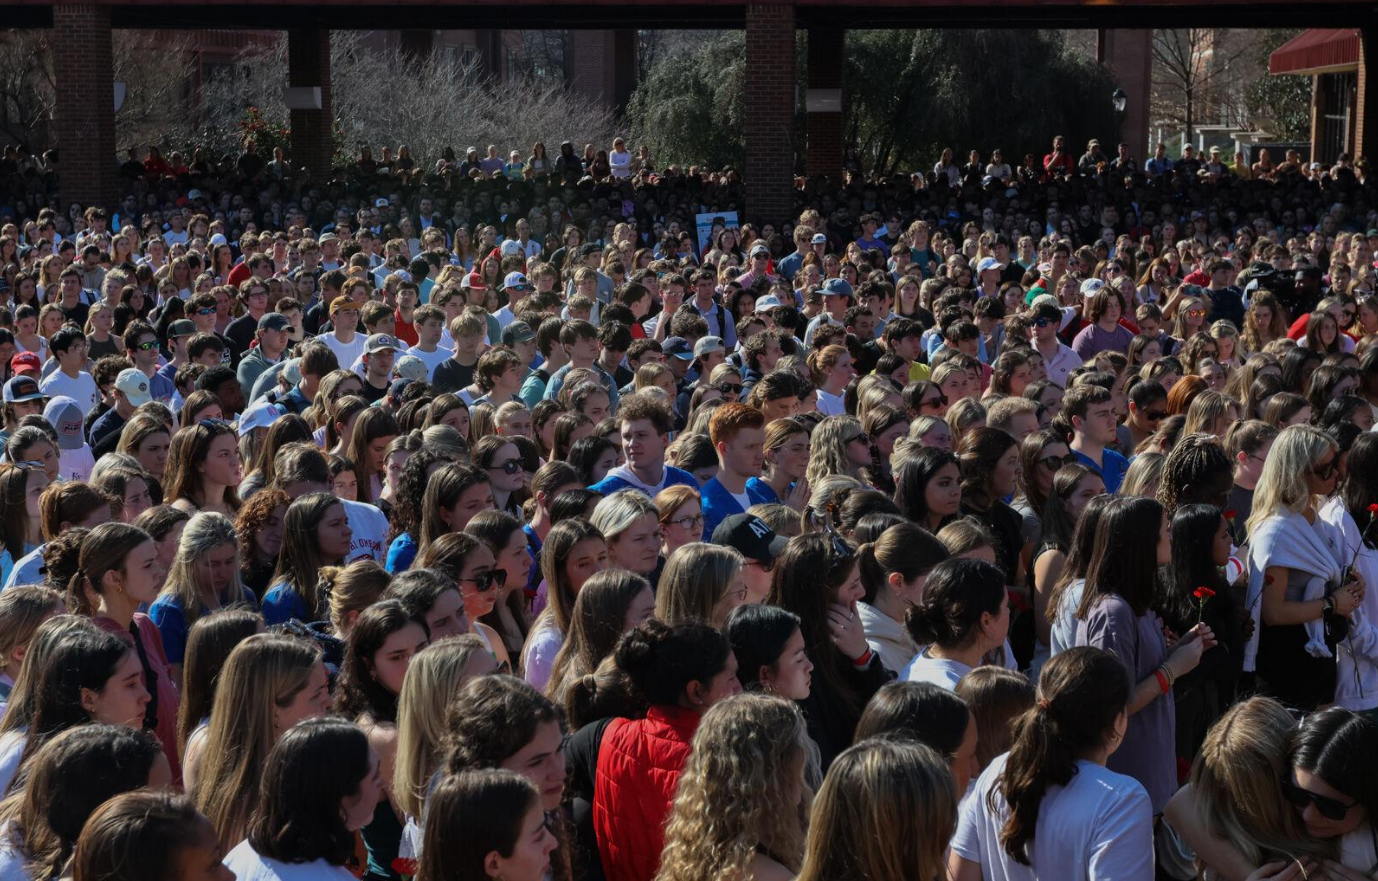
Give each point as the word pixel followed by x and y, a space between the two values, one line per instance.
pixel 370 528
pixel 345 353
pixel 76 464
pixel 248 865
pixel 830 404
pixel 1099 827
pixel 81 389
pixel 432 360
pixel 939 671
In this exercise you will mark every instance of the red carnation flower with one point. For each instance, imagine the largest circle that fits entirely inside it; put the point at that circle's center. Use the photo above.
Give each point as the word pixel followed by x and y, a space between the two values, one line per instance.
pixel 1202 593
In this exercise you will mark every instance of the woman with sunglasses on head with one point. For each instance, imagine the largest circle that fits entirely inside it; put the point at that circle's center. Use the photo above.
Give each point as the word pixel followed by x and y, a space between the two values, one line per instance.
pixel 818 578
pixel 379 649
pixel 1050 808
pixel 1298 593
pixel 321 786
pixel 203 469
pixel 471 565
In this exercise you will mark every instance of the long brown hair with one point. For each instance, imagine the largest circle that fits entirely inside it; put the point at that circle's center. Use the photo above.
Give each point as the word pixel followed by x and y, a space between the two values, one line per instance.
pixel 14 513
pixel 189 448
pixel 1081 694
pixel 301 561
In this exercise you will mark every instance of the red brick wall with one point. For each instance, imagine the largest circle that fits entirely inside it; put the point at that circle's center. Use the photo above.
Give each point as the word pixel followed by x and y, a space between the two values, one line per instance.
pixel 85 115
pixel 823 154
pixel 770 121
pixel 1366 101
pixel 1130 54
pixel 308 64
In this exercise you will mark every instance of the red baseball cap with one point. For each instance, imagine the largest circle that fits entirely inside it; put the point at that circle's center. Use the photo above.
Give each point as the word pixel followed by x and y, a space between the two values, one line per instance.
pixel 476 282
pixel 24 362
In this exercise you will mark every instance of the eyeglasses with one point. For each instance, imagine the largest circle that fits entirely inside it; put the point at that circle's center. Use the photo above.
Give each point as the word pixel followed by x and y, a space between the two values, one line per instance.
pixel 687 522
pixel 486 581
pixel 511 466
pixel 146 347
pixel 1330 808
pixel 766 566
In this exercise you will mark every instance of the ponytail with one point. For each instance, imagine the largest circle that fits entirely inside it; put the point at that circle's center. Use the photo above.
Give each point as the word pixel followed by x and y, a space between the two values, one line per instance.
pixel 905 548
pixel 1081 695
pixel 78 600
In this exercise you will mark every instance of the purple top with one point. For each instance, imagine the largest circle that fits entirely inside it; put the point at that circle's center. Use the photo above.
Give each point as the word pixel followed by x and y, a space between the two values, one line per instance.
pixel 1091 341
pixel 1148 752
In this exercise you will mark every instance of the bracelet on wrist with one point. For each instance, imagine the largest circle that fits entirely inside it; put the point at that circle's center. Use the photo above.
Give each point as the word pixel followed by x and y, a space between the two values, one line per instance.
pixel 1163 684
pixel 864 660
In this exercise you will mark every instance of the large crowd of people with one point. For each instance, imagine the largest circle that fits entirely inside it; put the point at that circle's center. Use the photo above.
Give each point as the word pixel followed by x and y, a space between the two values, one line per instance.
pixel 489 519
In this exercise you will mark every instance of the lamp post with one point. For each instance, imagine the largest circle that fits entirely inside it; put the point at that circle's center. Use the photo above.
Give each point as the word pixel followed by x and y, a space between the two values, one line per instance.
pixel 1119 99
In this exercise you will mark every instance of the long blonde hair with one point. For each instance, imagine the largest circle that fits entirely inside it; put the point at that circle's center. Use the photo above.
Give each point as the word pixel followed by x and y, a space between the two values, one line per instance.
pixel 435 676
pixel 744 787
pixel 696 578
pixel 1234 782
pixel 882 783
pixel 828 449
pixel 264 672
pixel 204 533
pixel 1282 484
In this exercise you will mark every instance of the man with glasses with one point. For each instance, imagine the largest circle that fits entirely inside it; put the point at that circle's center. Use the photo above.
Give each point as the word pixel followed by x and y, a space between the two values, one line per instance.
pixel 141 347
pixel 1058 358
pixel 1147 409
pixel 645 424
pixel 757 542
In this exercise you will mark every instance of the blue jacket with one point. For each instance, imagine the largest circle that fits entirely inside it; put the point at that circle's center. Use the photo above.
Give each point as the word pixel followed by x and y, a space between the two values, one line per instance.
pixel 622 478
pixel 718 504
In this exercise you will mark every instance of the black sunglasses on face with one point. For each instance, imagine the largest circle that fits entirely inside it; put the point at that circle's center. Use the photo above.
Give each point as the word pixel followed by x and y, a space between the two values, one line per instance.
pixel 939 401
pixel 1331 809
pixel 1053 463
pixel 486 581
pixel 511 466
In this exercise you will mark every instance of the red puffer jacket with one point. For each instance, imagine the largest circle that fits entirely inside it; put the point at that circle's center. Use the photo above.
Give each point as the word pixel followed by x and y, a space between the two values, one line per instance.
pixel 639 763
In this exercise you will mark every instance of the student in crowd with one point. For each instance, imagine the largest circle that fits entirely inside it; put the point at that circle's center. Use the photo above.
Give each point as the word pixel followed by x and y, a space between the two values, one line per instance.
pixel 205 576
pixel 894 569
pixel 147 835
pixel 316 533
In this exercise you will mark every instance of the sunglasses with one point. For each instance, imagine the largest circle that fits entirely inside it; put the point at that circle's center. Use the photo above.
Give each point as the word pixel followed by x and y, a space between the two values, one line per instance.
pixel 146 347
pixel 1053 463
pixel 511 466
pixel 1041 322
pixel 486 581
pixel 1155 415
pixel 1330 808
pixel 205 311
pixel 939 401
pixel 1328 471
pixel 1196 313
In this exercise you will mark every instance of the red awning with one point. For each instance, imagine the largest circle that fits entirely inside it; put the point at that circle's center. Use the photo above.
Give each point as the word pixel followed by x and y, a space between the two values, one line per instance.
pixel 1318 50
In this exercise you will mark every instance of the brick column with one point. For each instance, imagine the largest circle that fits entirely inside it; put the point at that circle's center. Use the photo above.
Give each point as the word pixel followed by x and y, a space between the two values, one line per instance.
pixel 625 67
pixel 84 118
pixel 770 73
pixel 490 53
pixel 308 67
pixel 824 102
pixel 1366 100
pixel 1130 55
